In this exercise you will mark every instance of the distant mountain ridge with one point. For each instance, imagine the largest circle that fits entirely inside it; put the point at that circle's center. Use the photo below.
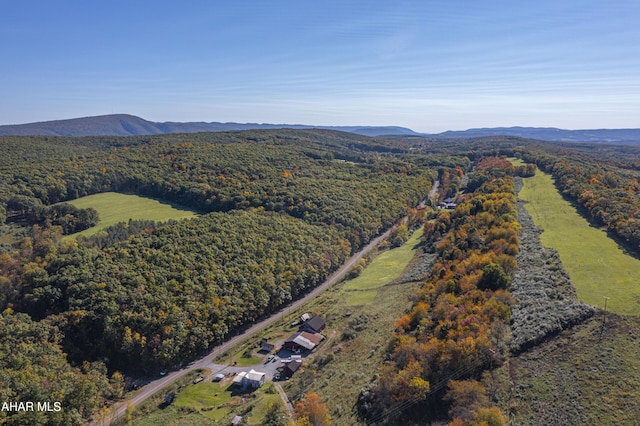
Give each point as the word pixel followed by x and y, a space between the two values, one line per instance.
pixel 609 136
pixel 130 125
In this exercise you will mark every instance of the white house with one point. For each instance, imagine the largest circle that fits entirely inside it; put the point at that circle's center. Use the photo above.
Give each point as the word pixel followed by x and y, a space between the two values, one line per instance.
pixel 238 380
pixel 252 379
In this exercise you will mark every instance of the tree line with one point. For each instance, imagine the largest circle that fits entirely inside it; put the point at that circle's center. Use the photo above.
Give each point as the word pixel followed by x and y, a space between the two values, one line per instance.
pixel 457 327
pixel 607 192
pixel 334 185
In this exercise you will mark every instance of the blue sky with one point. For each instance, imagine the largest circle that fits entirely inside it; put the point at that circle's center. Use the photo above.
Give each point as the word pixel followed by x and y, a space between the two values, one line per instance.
pixel 428 65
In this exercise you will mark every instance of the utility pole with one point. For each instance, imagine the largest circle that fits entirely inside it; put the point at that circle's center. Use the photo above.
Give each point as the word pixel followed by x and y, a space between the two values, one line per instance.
pixel 604 316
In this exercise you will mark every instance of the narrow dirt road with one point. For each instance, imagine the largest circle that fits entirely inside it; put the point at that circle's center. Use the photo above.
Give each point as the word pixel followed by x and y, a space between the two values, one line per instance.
pixel 285 400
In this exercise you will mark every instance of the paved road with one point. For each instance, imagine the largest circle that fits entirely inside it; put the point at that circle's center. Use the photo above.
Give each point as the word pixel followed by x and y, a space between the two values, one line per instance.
pixel 206 361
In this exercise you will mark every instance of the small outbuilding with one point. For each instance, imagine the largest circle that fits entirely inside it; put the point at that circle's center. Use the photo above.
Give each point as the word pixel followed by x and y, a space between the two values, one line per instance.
pixel 265 346
pixel 291 367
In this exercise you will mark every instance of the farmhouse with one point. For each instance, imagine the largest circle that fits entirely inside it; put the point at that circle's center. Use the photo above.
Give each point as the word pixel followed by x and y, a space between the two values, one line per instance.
pixel 252 379
pixel 303 340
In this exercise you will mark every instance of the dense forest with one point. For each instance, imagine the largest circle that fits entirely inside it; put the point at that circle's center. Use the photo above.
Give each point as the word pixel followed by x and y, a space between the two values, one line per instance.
pixel 281 210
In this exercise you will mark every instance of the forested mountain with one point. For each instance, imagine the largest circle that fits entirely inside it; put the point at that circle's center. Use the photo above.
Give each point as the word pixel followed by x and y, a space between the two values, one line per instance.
pixel 130 125
pixel 607 136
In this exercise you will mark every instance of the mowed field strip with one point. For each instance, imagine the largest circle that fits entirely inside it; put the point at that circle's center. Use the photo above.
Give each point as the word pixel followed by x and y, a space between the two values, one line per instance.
pixel 114 207
pixel 598 266
pixel 384 268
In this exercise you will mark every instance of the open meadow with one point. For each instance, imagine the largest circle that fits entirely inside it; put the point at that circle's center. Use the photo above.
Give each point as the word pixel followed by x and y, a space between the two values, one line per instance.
pixel 361 314
pixel 208 403
pixel 586 375
pixel 598 266
pixel 387 266
pixel 114 207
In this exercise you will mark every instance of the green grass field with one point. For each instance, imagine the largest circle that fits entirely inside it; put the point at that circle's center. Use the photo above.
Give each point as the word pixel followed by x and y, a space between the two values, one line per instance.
pixel 114 207
pixel 587 375
pixel 354 362
pixel 384 268
pixel 203 397
pixel 208 403
pixel 598 267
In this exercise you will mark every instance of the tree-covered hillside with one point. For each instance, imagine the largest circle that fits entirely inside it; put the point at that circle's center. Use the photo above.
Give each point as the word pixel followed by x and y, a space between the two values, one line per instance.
pixel 320 176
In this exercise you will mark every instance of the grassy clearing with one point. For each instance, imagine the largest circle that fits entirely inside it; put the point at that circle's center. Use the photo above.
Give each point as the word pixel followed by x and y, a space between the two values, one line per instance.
pixel 209 403
pixel 114 207
pixel 588 375
pixel 342 367
pixel 247 352
pixel 203 394
pixel 154 412
pixel 361 297
pixel 597 265
pixel 245 357
pixel 260 406
pixel 386 267
pixel 357 343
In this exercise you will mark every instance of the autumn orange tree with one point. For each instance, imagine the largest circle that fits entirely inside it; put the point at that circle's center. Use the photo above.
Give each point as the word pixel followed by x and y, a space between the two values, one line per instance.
pixel 312 411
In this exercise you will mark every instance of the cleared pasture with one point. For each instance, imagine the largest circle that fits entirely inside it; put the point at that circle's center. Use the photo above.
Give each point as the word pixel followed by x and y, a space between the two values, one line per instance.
pixel 598 266
pixel 383 269
pixel 114 207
